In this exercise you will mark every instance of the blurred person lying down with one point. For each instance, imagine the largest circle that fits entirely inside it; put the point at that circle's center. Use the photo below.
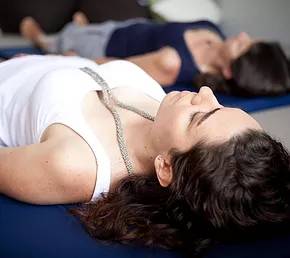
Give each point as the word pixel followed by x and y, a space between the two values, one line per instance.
pixel 171 52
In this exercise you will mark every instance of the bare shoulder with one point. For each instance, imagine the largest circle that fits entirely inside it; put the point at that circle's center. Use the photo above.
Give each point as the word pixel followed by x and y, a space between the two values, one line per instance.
pixel 57 170
pixel 196 35
pixel 74 160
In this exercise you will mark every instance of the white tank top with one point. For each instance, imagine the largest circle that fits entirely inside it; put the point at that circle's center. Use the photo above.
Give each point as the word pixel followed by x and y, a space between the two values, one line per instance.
pixel 37 91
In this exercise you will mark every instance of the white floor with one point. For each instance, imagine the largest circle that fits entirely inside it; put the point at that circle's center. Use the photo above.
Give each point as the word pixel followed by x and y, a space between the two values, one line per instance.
pixel 263 19
pixel 268 20
pixel 276 122
pixel 13 40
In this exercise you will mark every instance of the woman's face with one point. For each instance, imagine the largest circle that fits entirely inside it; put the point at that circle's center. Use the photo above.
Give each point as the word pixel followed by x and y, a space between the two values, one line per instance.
pixel 237 45
pixel 216 56
pixel 185 118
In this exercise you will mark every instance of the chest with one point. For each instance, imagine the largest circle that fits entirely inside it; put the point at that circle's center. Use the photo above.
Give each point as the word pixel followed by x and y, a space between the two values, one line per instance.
pixel 204 45
pixel 101 122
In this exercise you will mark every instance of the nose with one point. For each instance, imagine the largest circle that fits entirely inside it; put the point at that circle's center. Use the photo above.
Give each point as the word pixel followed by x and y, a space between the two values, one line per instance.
pixel 206 96
pixel 205 91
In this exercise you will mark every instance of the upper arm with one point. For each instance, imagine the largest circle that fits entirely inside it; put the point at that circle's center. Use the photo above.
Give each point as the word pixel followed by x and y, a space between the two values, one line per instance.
pixel 44 173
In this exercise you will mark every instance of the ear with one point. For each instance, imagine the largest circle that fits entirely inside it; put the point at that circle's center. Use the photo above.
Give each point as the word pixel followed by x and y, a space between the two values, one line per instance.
pixel 163 170
pixel 227 72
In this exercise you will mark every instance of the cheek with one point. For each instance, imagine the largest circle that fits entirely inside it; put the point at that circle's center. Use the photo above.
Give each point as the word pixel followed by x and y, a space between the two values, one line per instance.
pixel 230 48
pixel 164 125
pixel 170 129
pixel 180 135
pixel 233 51
pixel 171 126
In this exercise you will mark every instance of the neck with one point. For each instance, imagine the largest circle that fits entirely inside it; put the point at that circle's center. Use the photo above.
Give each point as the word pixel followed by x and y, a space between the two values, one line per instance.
pixel 140 147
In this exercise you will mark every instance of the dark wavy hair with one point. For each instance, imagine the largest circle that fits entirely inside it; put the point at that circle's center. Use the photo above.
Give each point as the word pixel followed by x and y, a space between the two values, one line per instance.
pixel 219 192
pixel 263 70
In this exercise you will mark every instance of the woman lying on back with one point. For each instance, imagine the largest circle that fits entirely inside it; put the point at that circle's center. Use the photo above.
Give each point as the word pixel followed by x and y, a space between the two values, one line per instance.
pixel 177 170
pixel 175 53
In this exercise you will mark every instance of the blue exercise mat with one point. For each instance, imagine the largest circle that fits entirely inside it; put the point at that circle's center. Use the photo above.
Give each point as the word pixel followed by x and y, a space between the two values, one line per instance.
pixel 7 53
pixel 51 232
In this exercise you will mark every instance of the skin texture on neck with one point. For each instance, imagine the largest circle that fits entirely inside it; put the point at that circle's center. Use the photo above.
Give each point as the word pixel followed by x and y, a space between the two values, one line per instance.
pixel 141 147
pixel 214 55
pixel 203 46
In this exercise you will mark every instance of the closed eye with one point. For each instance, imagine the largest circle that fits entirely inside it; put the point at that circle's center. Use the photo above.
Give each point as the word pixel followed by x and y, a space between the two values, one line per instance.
pixel 203 118
pixel 193 117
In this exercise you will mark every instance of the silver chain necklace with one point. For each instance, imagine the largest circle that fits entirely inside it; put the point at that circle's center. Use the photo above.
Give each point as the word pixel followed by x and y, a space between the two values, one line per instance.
pixel 110 101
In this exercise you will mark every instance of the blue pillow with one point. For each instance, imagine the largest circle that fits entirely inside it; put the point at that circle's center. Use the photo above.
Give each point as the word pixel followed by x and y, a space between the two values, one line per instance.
pixel 51 232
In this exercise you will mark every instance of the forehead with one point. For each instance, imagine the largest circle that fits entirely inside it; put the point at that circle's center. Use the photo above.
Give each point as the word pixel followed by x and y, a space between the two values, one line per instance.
pixel 225 123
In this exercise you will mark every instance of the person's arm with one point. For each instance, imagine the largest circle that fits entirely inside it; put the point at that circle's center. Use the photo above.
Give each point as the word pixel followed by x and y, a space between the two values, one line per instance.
pixel 163 65
pixel 40 174
pixel 103 60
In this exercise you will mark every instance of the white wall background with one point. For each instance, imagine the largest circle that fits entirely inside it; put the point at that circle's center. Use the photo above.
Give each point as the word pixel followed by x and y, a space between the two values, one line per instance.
pixel 270 20
pixel 267 19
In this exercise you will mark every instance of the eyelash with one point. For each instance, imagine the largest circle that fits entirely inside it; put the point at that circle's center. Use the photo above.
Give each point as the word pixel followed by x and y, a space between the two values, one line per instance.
pixel 192 116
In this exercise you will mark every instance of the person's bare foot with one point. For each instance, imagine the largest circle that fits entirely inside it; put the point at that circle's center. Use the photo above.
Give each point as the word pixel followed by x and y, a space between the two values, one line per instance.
pixel 31 30
pixel 80 19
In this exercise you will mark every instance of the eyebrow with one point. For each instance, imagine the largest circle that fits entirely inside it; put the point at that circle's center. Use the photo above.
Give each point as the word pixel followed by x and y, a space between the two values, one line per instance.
pixel 206 116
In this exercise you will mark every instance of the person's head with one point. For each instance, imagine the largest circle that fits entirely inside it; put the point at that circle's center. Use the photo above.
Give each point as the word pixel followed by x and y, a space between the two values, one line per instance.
pixel 249 68
pixel 185 118
pixel 235 186
pixel 235 46
pixel 228 171
pixel 230 178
